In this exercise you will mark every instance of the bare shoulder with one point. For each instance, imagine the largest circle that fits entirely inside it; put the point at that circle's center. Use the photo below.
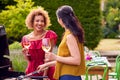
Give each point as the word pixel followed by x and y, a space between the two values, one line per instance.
pixel 71 37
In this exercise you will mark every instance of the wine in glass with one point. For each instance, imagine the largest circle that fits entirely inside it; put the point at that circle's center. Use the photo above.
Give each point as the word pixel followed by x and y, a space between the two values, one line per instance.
pixel 26 44
pixel 46 44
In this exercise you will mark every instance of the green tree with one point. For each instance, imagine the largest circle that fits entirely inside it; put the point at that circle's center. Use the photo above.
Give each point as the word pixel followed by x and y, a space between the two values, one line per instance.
pixel 88 12
pixel 112 17
pixel 14 19
pixel 4 3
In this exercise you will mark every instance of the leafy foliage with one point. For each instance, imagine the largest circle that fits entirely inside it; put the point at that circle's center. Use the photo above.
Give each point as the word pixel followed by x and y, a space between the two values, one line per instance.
pixel 15 45
pixel 112 17
pixel 14 19
pixel 4 3
pixel 88 14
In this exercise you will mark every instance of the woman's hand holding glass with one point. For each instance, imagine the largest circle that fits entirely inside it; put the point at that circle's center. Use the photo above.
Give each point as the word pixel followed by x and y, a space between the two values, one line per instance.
pixel 50 56
pixel 46 44
pixel 26 45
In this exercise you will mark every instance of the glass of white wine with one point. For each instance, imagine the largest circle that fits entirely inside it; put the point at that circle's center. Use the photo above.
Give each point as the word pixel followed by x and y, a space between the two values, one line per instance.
pixel 46 44
pixel 26 44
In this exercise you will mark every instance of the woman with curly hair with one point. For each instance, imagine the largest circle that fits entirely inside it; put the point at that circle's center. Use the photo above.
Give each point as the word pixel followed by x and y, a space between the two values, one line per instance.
pixel 38 20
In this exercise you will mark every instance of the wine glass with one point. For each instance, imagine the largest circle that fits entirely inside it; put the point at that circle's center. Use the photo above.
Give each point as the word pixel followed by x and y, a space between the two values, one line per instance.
pixel 26 44
pixel 46 44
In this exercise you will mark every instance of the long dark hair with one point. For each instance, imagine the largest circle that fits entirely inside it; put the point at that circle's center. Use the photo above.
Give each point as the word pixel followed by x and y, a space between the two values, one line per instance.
pixel 70 21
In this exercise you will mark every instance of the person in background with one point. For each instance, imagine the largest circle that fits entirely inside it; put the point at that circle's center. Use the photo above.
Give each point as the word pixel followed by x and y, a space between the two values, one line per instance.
pixel 37 20
pixel 70 59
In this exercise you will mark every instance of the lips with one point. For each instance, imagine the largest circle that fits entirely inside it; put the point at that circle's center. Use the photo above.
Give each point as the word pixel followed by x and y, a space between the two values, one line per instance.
pixel 39 27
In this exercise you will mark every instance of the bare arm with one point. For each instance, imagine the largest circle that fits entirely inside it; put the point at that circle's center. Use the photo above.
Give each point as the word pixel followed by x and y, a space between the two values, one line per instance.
pixel 75 58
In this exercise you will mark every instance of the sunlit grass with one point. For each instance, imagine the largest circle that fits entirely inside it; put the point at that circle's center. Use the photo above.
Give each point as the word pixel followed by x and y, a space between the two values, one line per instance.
pixel 108 45
pixel 18 61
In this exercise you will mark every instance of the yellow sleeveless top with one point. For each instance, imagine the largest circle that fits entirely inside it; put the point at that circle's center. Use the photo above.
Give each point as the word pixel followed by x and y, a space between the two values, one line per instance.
pixel 65 69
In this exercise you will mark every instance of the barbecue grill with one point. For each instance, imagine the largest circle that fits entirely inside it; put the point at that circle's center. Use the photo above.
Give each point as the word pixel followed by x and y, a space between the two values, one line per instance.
pixel 5 62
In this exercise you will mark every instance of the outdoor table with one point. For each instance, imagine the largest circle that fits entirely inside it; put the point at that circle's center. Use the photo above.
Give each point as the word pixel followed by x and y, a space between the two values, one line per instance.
pixel 99 70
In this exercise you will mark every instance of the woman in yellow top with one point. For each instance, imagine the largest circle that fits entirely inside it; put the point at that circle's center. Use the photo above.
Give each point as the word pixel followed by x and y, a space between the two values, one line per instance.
pixel 69 61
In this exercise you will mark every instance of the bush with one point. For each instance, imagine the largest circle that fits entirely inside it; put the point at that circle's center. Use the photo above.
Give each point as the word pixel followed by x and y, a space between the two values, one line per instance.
pixel 15 45
pixel 88 14
pixel 13 18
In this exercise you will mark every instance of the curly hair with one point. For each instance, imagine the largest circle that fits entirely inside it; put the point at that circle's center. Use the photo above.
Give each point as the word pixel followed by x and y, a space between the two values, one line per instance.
pixel 34 12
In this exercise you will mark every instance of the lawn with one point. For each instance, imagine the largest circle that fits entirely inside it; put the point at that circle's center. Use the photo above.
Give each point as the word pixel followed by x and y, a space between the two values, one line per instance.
pixel 108 45
pixel 18 61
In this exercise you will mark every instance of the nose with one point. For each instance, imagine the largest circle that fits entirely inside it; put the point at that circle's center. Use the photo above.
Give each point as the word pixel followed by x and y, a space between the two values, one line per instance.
pixel 39 22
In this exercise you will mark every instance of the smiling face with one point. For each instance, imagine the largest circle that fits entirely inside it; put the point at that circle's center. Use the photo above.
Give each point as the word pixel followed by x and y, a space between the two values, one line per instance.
pixel 39 23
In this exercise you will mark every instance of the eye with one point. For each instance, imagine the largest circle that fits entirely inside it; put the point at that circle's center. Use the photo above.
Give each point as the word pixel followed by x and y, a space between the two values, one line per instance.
pixel 42 21
pixel 37 20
